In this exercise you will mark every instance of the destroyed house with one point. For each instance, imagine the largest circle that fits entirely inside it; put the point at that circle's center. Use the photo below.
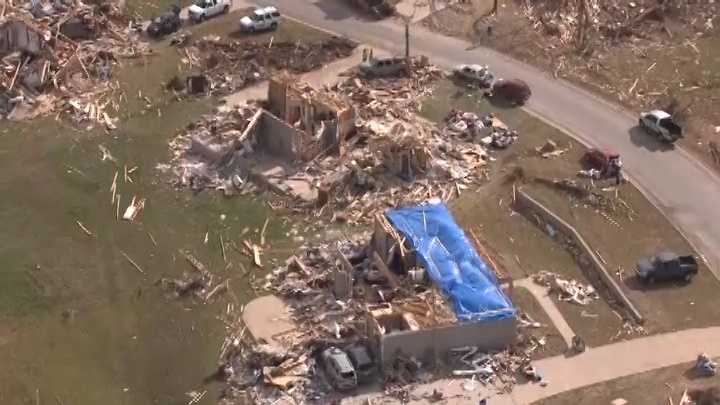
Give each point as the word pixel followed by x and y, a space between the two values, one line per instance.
pixel 425 243
pixel 303 123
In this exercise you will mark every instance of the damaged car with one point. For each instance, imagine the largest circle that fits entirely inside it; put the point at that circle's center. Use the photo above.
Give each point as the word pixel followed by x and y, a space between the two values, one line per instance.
pixel 339 369
pixel 165 24
pixel 475 74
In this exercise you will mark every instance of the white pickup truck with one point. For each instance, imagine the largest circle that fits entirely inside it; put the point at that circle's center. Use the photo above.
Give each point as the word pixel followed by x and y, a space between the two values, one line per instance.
pixel 204 9
pixel 660 124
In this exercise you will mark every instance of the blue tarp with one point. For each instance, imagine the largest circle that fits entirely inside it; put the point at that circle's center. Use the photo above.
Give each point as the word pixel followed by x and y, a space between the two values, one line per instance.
pixel 452 263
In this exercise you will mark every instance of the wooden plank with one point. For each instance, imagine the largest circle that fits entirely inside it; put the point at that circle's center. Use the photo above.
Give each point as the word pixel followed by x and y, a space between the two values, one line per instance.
pixel 392 279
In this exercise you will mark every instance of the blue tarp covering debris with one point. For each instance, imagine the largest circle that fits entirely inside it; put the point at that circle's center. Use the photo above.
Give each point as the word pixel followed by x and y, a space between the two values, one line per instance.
pixel 452 262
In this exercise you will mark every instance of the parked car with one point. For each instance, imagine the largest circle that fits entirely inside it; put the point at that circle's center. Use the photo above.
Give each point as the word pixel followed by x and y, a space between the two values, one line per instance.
pixel 660 124
pixel 204 9
pixel 165 24
pixel 382 66
pixel 261 19
pixel 362 361
pixel 475 74
pixel 515 91
pixel 667 266
pixel 339 369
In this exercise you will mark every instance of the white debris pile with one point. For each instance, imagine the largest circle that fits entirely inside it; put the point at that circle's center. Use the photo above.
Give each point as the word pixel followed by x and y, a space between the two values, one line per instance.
pixel 203 153
pixel 487 130
pixel 567 290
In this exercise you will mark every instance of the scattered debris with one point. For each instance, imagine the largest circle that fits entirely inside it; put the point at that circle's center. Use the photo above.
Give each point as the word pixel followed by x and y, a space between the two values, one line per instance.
pixel 84 229
pixel 705 366
pixel 131 261
pixel 134 209
pixel 487 130
pixel 567 290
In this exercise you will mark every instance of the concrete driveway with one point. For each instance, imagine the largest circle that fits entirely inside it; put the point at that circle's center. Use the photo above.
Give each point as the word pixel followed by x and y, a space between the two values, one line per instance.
pixel 685 190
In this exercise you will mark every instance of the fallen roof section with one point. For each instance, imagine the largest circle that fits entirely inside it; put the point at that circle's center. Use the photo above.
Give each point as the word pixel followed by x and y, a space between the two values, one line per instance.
pixel 452 262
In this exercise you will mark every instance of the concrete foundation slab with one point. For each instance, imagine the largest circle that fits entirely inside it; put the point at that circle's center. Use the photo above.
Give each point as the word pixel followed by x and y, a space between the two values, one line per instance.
pixel 284 180
pixel 267 317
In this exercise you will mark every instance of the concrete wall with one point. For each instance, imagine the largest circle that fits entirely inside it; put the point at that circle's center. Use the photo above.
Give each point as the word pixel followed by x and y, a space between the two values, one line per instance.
pixel 429 345
pixel 581 250
pixel 277 138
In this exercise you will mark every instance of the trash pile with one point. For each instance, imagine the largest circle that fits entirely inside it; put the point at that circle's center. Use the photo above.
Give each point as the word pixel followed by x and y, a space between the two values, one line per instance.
pixel 58 57
pixel 392 158
pixel 487 130
pixel 567 290
pixel 233 65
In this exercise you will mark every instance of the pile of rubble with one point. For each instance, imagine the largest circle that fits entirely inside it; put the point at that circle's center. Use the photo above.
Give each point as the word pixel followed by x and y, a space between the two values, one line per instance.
pixel 392 156
pixel 203 155
pixel 571 21
pixel 233 65
pixel 567 290
pixel 487 130
pixel 58 57
pixel 291 366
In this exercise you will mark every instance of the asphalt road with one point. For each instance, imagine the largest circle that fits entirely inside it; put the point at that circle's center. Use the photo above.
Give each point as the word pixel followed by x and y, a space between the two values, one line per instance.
pixel 684 190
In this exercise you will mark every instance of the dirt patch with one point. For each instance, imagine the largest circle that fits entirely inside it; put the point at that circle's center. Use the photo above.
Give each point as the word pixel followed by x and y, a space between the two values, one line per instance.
pixel 650 388
pixel 641 57
pixel 619 223
pixel 554 343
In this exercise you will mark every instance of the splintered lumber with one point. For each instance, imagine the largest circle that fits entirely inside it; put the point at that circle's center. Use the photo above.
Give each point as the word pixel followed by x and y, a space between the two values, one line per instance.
pixel 222 287
pixel 262 233
pixel 132 262
pixel 84 229
pixel 295 264
pixel 256 255
pixel 113 188
pixel 378 261
pixel 133 210
pixel 197 265
pixel 222 248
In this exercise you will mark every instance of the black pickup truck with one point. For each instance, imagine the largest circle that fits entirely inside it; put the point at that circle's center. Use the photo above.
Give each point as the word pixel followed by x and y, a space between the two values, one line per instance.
pixel 666 266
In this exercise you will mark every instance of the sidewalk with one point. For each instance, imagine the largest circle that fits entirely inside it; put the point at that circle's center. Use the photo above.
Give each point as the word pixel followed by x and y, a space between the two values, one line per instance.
pixel 541 295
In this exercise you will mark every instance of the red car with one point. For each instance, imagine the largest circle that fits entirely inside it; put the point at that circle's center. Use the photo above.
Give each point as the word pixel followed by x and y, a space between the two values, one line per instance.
pixel 605 160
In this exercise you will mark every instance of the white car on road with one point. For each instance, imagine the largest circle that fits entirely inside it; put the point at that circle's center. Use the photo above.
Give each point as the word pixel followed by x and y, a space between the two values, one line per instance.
pixel 261 19
pixel 204 9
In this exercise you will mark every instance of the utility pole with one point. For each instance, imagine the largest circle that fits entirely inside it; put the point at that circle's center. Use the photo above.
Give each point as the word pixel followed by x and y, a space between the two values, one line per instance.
pixel 495 7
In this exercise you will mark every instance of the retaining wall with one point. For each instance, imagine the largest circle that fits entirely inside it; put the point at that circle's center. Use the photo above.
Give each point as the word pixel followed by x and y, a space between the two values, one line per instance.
pixel 581 250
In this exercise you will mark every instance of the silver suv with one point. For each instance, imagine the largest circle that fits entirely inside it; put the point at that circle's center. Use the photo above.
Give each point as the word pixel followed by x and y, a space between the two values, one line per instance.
pixel 339 369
